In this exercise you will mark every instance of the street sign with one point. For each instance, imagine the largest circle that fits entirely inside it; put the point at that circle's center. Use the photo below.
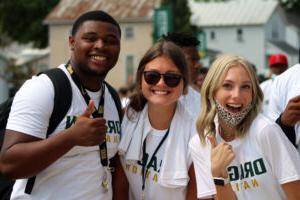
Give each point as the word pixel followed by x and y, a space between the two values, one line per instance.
pixel 162 23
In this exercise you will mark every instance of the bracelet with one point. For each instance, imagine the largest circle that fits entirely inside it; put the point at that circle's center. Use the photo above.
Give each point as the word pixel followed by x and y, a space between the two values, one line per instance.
pixel 221 181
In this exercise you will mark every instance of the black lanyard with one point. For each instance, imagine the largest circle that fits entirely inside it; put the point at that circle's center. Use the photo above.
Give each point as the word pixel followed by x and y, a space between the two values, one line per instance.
pixel 146 167
pixel 97 113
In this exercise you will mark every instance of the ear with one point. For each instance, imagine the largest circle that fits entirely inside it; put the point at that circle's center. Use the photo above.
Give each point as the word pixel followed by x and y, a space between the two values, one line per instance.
pixel 71 43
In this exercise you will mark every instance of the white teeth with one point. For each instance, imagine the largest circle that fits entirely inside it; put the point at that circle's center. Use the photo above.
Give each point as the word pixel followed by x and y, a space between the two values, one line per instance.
pixel 235 105
pixel 100 58
pixel 159 92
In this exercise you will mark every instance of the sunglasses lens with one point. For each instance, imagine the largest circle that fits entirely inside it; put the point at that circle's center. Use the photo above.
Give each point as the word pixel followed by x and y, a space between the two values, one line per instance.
pixel 151 77
pixel 172 80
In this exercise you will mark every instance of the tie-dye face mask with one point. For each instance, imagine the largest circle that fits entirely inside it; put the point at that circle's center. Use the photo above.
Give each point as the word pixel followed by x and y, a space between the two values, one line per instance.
pixel 232 119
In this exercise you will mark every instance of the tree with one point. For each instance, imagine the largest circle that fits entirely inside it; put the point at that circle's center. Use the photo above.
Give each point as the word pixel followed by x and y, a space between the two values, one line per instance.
pixel 291 5
pixel 22 21
pixel 209 0
pixel 181 15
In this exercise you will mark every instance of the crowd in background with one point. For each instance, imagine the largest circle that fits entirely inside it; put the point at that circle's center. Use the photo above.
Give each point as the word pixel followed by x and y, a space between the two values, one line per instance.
pixel 181 131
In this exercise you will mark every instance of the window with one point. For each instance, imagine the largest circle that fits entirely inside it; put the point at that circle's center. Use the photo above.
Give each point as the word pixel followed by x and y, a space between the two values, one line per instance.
pixel 275 34
pixel 129 33
pixel 129 68
pixel 212 35
pixel 239 33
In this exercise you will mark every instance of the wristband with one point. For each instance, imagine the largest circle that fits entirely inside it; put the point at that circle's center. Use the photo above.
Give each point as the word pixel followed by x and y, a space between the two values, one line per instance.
pixel 221 181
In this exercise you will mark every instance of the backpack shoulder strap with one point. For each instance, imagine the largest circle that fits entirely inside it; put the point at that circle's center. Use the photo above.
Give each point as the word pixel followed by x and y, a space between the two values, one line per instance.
pixel 62 97
pixel 4 112
pixel 116 99
pixel 62 103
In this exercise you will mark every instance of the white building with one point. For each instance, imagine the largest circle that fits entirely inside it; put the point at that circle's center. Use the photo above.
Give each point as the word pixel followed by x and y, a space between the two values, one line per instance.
pixel 28 60
pixel 135 18
pixel 251 28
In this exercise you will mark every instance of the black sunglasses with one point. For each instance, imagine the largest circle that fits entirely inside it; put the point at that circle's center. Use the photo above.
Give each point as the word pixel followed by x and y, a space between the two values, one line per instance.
pixel 170 79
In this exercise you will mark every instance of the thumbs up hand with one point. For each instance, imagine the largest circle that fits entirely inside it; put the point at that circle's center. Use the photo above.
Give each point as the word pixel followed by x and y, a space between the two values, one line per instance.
pixel 221 156
pixel 89 110
pixel 88 131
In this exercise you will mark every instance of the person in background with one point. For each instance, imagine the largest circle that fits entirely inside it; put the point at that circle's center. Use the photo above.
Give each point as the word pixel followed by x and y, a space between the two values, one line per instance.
pixel 285 103
pixel 239 153
pixel 68 164
pixel 188 44
pixel 157 128
pixel 123 93
pixel 200 77
pixel 278 64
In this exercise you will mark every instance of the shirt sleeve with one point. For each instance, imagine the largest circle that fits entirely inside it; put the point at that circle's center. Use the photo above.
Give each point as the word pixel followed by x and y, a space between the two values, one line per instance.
pixel 280 153
pixel 32 107
pixel 276 99
pixel 201 159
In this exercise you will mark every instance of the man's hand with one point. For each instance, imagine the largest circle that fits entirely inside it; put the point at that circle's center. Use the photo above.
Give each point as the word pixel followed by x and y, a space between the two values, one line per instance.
pixel 88 131
pixel 221 157
pixel 291 114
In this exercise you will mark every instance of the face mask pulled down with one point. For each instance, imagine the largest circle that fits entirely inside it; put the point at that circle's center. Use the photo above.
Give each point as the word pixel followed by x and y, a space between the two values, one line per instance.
pixel 232 119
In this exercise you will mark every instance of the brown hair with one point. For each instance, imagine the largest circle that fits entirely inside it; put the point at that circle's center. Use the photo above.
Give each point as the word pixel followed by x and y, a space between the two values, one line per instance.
pixel 161 48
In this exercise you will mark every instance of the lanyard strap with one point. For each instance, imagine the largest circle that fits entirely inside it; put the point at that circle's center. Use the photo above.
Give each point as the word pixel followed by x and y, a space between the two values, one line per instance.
pixel 145 166
pixel 97 113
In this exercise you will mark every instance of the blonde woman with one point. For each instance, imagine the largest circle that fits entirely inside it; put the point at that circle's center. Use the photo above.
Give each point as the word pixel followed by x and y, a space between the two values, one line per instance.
pixel 240 154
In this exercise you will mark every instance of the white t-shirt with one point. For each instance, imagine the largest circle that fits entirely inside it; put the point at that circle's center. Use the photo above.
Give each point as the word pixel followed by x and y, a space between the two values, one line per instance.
pixel 284 87
pixel 266 88
pixel 264 159
pixel 174 151
pixel 125 101
pixel 77 174
pixel 153 190
pixel 192 102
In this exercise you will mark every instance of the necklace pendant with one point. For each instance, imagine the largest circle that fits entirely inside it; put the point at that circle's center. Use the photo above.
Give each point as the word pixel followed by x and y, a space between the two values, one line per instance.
pixel 105 182
pixel 143 195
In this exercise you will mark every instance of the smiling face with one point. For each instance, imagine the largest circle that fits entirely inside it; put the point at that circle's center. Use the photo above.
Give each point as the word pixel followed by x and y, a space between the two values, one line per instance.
pixel 278 69
pixel 160 94
pixel 95 48
pixel 235 91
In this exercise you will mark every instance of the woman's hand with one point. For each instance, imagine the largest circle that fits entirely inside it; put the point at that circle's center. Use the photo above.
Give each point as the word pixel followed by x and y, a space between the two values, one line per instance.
pixel 221 157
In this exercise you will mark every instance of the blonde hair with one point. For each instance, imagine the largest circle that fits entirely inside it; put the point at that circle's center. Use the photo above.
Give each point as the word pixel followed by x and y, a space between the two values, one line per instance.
pixel 213 80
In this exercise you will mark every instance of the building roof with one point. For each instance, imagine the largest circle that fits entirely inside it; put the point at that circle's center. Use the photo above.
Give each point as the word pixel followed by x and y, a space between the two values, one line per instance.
pixel 22 54
pixel 285 47
pixel 30 55
pixel 68 10
pixel 232 13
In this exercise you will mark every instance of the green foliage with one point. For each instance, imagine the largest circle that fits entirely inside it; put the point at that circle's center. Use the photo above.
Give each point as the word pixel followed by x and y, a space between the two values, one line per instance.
pixel 291 5
pixel 208 0
pixel 181 15
pixel 22 20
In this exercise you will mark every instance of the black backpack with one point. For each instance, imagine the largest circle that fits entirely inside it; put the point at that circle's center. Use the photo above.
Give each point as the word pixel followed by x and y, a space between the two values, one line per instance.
pixel 62 103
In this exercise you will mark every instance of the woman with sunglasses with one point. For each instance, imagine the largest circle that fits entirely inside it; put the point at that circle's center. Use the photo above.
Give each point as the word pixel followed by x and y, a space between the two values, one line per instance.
pixel 156 129
pixel 239 153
